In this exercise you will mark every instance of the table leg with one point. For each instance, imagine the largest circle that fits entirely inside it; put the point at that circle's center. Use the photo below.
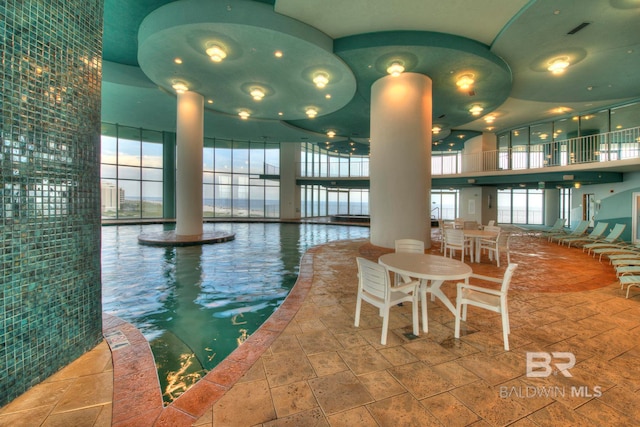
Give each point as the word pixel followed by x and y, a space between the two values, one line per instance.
pixel 434 288
pixel 424 285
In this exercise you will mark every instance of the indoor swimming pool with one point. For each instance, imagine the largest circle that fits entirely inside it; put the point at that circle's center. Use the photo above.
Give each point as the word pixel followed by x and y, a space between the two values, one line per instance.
pixel 196 304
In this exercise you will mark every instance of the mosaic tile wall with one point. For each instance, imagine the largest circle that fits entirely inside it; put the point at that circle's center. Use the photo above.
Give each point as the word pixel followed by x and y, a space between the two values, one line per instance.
pixel 50 305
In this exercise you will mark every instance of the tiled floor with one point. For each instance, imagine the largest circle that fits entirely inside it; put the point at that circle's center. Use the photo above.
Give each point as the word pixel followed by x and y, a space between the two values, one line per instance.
pixel 322 371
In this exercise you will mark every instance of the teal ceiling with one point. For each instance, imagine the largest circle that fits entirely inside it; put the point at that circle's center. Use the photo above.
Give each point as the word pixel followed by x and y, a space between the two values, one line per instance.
pixel 506 44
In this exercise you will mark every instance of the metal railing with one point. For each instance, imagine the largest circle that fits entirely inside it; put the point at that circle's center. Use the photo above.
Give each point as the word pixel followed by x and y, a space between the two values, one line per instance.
pixel 604 147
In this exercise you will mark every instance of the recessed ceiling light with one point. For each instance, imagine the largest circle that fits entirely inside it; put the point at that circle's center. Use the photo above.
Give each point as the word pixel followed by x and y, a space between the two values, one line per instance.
pixel 436 130
pixel 278 54
pixel 490 119
pixel 465 81
pixel 216 53
pixel 280 113
pixel 244 114
pixel 395 68
pixel 209 101
pixel 331 134
pixel 180 87
pixel 257 93
pixel 177 61
pixel 311 112
pixel 476 110
pixel 321 80
pixel 558 65
pixel 328 96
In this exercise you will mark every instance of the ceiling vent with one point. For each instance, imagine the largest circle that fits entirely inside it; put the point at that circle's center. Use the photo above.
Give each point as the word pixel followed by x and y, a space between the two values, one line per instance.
pixel 578 28
pixel 472 93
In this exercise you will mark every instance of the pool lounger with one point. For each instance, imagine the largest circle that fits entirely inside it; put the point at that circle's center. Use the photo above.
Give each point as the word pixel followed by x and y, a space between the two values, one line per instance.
pixel 629 281
pixel 627 269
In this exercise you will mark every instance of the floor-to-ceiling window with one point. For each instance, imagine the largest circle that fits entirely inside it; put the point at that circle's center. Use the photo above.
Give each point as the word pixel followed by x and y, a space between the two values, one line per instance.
pixel 240 179
pixel 521 206
pixel 131 172
pixel 444 204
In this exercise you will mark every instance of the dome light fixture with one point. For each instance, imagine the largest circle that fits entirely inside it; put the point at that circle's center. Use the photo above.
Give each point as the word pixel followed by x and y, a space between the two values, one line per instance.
pixel 180 87
pixel 331 134
pixel 558 65
pixel 395 69
pixel 257 93
pixel 320 80
pixel 244 114
pixel 490 119
pixel 216 53
pixel 311 112
pixel 476 110
pixel 465 81
pixel 436 130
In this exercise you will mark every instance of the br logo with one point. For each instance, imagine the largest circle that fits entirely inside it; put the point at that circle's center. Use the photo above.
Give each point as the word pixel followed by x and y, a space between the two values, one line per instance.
pixel 539 363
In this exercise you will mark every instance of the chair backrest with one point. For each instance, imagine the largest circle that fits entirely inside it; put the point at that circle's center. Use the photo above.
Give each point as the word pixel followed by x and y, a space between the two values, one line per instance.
pixel 506 279
pixel 615 232
pixel 503 239
pixel 581 227
pixel 557 226
pixel 491 223
pixel 598 230
pixel 454 236
pixel 373 278
pixel 470 225
pixel 410 245
pixel 492 228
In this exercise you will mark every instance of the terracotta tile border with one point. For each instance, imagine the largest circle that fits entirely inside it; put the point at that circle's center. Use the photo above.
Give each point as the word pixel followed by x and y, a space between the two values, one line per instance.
pixel 137 398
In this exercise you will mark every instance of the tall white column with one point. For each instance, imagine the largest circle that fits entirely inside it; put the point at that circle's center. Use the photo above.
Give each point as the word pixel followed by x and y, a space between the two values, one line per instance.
pixel 189 142
pixel 400 162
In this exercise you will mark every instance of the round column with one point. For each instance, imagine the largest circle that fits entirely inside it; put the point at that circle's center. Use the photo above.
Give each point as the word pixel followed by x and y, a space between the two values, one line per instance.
pixel 400 162
pixel 189 142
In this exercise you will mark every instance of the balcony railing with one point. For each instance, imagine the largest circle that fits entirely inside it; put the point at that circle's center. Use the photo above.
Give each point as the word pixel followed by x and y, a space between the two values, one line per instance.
pixel 604 147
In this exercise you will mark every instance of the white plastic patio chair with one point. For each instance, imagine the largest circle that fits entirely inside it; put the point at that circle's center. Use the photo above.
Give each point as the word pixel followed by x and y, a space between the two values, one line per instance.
pixel 496 247
pixel 489 299
pixel 407 246
pixel 454 240
pixel 375 288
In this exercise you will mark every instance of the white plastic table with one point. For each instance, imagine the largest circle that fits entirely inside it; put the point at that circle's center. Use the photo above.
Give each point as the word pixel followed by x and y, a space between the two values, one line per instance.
pixel 432 270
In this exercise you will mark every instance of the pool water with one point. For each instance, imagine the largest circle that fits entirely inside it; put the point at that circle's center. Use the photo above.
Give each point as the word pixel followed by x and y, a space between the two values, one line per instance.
pixel 196 304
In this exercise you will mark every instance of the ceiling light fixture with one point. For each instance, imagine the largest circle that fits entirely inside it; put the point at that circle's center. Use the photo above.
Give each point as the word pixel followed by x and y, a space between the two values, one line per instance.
pixel 257 93
pixel 465 81
pixel 244 114
pixel 558 65
pixel 216 53
pixel 476 110
pixel 436 130
pixel 180 87
pixel 331 134
pixel 278 54
pixel 490 119
pixel 395 69
pixel 177 61
pixel 311 112
pixel 320 80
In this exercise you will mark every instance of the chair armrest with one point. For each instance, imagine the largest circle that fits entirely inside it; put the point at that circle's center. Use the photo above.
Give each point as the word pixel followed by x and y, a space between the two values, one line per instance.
pixel 413 284
pixel 479 289
pixel 486 278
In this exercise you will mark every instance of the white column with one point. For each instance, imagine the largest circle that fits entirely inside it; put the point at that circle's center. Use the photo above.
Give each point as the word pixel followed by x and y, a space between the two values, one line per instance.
pixel 289 190
pixel 400 162
pixel 189 142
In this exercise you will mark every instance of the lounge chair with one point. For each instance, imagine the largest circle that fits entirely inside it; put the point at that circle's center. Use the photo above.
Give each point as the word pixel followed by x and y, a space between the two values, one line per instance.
pixel 608 241
pixel 595 234
pixel 555 228
pixel 580 230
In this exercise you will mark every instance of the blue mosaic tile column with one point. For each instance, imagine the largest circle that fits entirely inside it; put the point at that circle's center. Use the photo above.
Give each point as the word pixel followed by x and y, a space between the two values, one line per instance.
pixel 50 297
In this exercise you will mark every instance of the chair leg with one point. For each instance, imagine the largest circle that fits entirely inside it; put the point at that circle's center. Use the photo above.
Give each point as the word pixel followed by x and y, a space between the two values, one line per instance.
pixel 456 333
pixel 414 309
pixel 498 257
pixel 506 330
pixel 385 326
pixel 358 307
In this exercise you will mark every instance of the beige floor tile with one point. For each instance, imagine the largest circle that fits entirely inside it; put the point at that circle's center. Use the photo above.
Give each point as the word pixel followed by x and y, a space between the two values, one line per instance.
pixel 318 342
pixel 311 418
pixel 400 411
pixel 558 414
pixel 364 359
pixel 45 394
pixel 398 355
pixel 246 404
pixel 602 415
pixel 357 417
pixel 80 417
pixel 87 391
pixel 449 410
pixel 486 402
pixel 381 384
pixel 327 363
pixel 293 398
pixel 287 367
pixel 429 352
pixel 421 380
pixel 339 392
pixel 26 418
